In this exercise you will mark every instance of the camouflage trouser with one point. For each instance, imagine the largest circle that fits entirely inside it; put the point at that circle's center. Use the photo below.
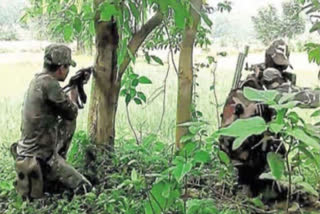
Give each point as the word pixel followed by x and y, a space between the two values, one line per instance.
pixel 59 168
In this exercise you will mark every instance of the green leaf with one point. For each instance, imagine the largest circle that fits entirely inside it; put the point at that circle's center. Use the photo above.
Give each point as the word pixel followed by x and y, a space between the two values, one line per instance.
pixel 137 101
pixel 77 25
pixel 224 157
pixel 142 96
pixel 181 170
pixel 128 99
pixel 186 138
pixel 179 18
pixel 157 59
pixel 67 32
pixel 257 202
pixel 294 117
pixel 135 82
pixel 301 135
pixel 276 165
pixel 144 80
pixel 260 95
pixel 107 11
pixel 132 92
pixel 254 126
pixel 194 129
pixel 158 202
pixel 316 113
pixel 201 156
pixel 309 155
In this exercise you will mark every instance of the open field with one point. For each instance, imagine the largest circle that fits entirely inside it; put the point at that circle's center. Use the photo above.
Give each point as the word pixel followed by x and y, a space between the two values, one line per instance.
pixel 18 68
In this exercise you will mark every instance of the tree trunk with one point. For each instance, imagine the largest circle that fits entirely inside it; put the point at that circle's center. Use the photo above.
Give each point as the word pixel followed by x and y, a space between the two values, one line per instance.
pixel 107 77
pixel 185 75
pixel 105 86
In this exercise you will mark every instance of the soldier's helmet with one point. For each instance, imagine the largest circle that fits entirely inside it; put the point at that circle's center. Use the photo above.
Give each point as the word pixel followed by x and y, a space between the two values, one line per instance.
pixel 58 54
pixel 277 55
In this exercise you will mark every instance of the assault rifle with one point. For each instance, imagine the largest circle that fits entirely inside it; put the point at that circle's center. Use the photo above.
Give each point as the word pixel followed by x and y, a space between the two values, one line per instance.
pixel 78 80
pixel 239 67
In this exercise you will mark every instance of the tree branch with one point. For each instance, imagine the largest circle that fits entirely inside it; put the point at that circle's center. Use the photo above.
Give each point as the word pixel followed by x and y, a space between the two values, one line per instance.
pixel 138 38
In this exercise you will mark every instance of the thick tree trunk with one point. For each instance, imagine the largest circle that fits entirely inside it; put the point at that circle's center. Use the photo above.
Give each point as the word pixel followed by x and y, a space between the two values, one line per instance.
pixel 185 75
pixel 107 77
pixel 105 86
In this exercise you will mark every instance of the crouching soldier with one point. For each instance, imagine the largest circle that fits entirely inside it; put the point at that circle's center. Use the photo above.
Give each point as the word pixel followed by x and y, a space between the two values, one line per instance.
pixel 48 124
pixel 251 158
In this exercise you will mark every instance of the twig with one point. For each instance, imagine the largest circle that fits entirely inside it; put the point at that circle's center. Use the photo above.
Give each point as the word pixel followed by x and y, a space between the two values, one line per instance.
pixel 130 124
pixel 164 95
pixel 215 94
pixel 289 173
pixel 170 47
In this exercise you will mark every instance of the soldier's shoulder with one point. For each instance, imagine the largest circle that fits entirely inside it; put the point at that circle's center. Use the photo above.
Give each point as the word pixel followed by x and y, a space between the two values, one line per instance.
pixel 271 74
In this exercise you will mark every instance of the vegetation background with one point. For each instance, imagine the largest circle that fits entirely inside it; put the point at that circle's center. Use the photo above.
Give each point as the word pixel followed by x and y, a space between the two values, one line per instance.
pixel 133 168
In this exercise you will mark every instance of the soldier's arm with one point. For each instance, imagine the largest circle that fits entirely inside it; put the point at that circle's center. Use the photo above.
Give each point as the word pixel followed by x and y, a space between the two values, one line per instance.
pixel 60 101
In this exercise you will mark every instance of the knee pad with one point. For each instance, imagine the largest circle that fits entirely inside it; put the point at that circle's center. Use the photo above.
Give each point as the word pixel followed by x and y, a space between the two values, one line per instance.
pixel 29 181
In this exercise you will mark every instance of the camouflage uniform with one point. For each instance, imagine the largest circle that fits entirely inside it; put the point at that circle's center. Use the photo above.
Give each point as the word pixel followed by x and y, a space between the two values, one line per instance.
pixel 48 124
pixel 250 159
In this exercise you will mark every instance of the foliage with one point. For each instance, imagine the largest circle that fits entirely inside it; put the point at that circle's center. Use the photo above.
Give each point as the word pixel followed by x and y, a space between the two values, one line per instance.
pixel 9 19
pixel 311 8
pixel 269 25
pixel 300 138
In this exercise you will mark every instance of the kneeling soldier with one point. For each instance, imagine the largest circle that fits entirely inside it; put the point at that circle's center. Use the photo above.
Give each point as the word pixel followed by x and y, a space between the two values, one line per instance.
pixel 48 124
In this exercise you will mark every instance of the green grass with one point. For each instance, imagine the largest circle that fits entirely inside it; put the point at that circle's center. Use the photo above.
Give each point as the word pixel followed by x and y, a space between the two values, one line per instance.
pixel 17 69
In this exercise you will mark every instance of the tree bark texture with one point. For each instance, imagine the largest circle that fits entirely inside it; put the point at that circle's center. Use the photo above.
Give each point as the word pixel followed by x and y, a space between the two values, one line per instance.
pixel 105 87
pixel 185 74
pixel 107 77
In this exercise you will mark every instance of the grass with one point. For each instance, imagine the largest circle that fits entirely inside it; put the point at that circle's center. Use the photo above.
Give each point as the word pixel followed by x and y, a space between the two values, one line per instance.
pixel 17 69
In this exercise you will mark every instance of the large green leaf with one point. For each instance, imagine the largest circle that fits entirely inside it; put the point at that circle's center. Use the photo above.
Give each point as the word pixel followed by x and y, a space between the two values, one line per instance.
pixel 301 135
pixel 201 156
pixel 276 165
pixel 107 11
pixel 161 197
pixel 260 95
pixel 181 169
pixel 243 128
